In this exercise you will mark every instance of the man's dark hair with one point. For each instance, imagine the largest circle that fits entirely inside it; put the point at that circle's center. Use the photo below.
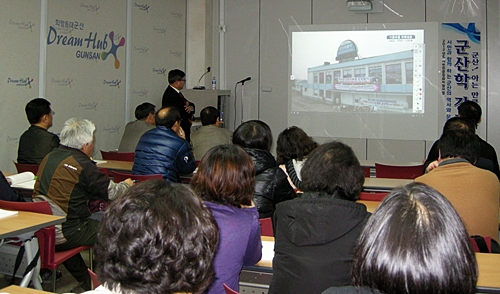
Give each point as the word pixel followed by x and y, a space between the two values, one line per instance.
pixel 459 124
pixel 142 111
pixel 226 175
pixel 293 143
pixel 415 242
pixel 461 144
pixel 209 115
pixel 156 238
pixel 36 109
pixel 253 134
pixel 334 169
pixel 175 75
pixel 471 111
pixel 171 116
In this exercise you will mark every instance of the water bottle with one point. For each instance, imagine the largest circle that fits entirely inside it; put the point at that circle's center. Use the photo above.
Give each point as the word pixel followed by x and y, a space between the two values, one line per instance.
pixel 214 83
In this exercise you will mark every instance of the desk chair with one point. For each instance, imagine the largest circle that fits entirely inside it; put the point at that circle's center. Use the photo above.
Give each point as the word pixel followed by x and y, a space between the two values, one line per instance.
pixel 122 156
pixel 367 171
pixel 228 290
pixel 94 278
pixel 373 196
pixel 266 227
pixel 47 238
pixel 119 177
pixel 398 171
pixel 24 167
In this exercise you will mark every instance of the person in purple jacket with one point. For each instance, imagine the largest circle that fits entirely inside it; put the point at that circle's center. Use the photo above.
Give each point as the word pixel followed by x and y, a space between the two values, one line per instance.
pixel 225 180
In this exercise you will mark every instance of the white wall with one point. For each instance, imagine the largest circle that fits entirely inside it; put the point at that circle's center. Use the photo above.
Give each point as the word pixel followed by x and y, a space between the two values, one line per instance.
pixel 154 34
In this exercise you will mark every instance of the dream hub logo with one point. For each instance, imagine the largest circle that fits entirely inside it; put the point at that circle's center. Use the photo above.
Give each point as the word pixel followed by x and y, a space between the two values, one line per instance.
pixel 22 82
pixel 92 42
pixel 113 49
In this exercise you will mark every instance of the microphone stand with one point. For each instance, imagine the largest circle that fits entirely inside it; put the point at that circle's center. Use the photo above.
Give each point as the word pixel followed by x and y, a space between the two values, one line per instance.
pixel 242 94
pixel 198 87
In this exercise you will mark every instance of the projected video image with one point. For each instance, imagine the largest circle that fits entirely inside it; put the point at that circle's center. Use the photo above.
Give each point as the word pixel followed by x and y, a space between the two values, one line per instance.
pixel 372 71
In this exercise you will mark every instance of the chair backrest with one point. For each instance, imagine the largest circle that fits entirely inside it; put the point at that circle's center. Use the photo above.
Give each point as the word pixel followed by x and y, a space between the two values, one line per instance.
pixel 24 167
pixel 398 171
pixel 266 227
pixel 119 177
pixel 39 207
pixel 94 278
pixel 104 171
pixel 113 155
pixel 228 290
pixel 373 196
pixel 366 171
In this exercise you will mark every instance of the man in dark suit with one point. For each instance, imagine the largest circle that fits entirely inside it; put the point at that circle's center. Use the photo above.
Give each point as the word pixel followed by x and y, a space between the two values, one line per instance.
pixel 174 98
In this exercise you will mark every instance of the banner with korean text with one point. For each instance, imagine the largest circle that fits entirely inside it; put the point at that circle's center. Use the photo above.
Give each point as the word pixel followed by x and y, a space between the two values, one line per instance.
pixel 460 66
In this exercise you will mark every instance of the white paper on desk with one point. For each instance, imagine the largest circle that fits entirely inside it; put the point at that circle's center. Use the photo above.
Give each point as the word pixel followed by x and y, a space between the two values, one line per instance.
pixel 21 178
pixel 6 213
pixel 98 161
pixel 267 250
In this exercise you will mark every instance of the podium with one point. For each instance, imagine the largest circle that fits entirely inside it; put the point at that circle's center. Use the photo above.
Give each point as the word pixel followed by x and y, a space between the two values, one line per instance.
pixel 204 98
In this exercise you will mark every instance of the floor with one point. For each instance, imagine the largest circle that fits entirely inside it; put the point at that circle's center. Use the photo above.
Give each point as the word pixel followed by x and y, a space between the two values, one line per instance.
pixel 66 284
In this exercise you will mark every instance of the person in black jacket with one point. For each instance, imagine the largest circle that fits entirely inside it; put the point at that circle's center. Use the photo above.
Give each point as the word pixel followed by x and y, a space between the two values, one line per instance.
pixel 315 233
pixel 271 183
pixel 172 97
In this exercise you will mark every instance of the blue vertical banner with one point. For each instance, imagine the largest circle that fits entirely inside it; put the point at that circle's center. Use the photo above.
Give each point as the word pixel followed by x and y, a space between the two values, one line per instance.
pixel 460 65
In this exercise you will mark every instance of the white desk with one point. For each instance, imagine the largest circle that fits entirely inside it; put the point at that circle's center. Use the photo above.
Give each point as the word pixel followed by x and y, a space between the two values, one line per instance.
pixel 23 226
pixel 383 184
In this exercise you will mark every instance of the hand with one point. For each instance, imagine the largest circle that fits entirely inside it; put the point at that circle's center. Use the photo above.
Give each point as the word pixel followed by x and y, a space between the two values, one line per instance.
pixel 432 166
pixel 181 133
pixel 129 182
pixel 188 108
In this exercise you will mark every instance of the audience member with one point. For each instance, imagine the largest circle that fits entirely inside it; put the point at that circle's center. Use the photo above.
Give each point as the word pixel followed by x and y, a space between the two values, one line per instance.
pixel 6 192
pixel 69 179
pixel 472 112
pixel 271 183
pixel 37 141
pixel 415 242
pixel 163 150
pixel 473 192
pixel 158 238
pixel 145 115
pixel 172 97
pixel 456 124
pixel 210 134
pixel 225 180
pixel 315 233
pixel 292 148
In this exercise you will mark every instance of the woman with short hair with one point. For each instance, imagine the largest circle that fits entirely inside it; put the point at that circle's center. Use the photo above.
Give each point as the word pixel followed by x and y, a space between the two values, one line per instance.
pixel 292 148
pixel 271 183
pixel 415 242
pixel 225 180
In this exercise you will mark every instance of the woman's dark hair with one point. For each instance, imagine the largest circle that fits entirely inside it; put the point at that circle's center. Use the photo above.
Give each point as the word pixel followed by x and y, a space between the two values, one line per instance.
pixel 293 143
pixel 333 168
pixel 226 175
pixel 415 242
pixel 253 134
pixel 156 238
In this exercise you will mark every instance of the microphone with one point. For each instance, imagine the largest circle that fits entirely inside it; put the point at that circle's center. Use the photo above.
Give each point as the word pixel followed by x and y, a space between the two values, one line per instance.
pixel 202 87
pixel 244 80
